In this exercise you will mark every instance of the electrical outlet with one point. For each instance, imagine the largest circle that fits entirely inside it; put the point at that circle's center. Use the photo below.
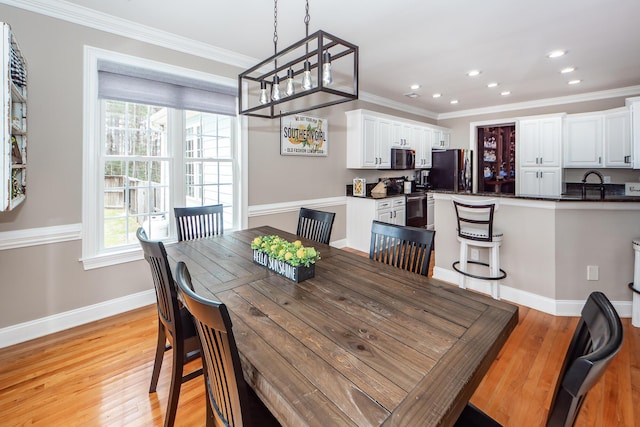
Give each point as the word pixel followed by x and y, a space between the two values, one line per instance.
pixel 475 254
pixel 592 272
pixel 607 179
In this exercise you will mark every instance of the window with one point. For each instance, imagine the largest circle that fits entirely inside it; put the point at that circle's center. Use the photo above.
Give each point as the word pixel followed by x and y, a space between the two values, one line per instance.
pixel 148 149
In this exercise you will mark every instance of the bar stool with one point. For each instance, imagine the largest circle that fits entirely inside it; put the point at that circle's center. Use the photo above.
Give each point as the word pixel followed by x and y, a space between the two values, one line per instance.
pixel 475 229
pixel 635 285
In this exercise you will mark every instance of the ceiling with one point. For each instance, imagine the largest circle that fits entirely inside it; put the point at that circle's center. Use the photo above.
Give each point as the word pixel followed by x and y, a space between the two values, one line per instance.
pixel 433 43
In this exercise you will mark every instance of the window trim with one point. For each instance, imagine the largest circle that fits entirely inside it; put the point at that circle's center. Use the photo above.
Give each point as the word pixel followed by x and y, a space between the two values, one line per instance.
pixel 91 257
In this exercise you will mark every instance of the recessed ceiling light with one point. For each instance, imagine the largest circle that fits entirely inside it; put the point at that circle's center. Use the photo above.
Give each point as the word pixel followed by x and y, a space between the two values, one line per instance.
pixel 568 70
pixel 411 95
pixel 437 95
pixel 574 82
pixel 454 101
pixel 415 86
pixel 505 93
pixel 493 84
pixel 473 73
pixel 556 53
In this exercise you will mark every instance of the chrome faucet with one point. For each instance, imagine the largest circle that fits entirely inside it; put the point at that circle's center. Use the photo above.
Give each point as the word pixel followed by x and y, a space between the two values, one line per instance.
pixel 584 182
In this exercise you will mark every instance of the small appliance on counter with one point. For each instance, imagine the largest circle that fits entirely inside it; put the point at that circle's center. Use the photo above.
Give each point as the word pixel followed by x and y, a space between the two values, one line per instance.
pixel 394 185
pixel 452 170
pixel 422 179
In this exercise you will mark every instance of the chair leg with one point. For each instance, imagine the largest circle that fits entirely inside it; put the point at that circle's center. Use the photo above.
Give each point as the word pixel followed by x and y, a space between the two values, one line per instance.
pixel 463 264
pixel 176 383
pixel 157 364
pixel 495 271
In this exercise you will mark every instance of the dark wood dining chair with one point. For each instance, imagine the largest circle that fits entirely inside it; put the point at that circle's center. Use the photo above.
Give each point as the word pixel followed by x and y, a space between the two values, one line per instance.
pixel 597 338
pixel 198 221
pixel 230 400
pixel 175 325
pixel 315 225
pixel 408 248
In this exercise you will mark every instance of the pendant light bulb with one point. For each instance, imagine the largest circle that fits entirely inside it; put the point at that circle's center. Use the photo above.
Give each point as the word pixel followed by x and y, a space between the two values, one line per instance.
pixel 327 78
pixel 264 94
pixel 275 90
pixel 290 88
pixel 307 83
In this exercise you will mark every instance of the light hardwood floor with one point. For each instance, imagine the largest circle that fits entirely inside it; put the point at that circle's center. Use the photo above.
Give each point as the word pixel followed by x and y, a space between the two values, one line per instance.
pixel 98 375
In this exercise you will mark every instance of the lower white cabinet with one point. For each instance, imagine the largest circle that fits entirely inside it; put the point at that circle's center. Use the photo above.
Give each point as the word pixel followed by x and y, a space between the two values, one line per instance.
pixel 362 211
pixel 540 181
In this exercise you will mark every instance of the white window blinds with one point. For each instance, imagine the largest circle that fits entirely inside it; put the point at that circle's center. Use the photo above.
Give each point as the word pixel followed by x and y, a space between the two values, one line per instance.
pixel 146 86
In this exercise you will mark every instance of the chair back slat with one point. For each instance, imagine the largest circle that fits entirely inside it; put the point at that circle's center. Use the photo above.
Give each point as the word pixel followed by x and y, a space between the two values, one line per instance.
pixel 226 389
pixel 597 338
pixel 315 225
pixel 166 294
pixel 199 221
pixel 475 220
pixel 408 248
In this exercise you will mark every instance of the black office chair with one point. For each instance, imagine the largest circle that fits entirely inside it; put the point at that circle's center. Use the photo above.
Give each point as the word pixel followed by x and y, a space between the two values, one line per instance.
pixel 598 337
pixel 198 221
pixel 408 248
pixel 230 401
pixel 315 225
pixel 175 325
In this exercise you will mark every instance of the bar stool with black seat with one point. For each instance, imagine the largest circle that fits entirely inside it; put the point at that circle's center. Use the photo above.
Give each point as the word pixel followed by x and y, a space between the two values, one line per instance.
pixel 175 325
pixel 596 340
pixel 475 228
pixel 230 400
pixel 315 225
pixel 197 222
pixel 408 248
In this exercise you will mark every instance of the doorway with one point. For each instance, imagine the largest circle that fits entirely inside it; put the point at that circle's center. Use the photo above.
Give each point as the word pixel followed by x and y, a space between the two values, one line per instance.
pixel 496 148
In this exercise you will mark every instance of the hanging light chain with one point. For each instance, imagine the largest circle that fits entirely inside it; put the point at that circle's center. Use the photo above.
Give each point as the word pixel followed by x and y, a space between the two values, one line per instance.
pixel 307 18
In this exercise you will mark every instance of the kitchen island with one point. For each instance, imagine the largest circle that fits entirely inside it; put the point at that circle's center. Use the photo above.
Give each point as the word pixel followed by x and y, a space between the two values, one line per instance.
pixel 549 246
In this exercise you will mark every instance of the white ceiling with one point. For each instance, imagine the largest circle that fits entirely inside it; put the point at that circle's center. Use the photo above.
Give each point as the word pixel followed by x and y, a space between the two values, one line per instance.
pixel 429 42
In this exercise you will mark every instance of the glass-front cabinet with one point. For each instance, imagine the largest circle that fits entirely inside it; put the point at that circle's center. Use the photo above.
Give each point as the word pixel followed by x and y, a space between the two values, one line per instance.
pixel 14 123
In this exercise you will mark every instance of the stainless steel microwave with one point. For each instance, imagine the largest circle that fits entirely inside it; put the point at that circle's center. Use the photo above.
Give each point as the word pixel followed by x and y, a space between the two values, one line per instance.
pixel 403 158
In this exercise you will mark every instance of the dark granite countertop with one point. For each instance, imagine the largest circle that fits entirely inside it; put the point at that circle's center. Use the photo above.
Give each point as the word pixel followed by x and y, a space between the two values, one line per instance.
pixel 572 196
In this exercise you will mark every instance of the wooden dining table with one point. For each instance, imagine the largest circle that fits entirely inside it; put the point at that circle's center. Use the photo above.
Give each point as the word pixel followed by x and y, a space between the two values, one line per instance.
pixel 359 344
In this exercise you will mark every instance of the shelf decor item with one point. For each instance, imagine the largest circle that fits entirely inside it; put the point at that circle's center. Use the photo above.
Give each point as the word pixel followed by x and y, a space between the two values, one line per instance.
pixel 317 71
pixel 288 259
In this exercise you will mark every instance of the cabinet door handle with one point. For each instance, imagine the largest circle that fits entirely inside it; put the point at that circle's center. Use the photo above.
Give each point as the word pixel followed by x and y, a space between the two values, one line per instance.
pixel 599 159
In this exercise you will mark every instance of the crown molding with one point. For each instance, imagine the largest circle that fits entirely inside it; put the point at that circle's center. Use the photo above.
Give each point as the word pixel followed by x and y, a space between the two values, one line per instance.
pixel 375 99
pixel 81 15
pixel 540 103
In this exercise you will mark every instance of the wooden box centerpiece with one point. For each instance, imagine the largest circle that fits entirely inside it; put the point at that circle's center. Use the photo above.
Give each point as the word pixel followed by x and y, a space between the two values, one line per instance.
pixel 288 259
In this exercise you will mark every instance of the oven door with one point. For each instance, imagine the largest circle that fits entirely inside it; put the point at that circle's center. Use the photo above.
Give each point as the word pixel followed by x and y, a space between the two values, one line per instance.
pixel 416 210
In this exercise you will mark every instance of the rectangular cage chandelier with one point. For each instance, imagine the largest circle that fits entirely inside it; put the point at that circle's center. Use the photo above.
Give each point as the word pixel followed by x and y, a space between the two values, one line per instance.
pixel 318 71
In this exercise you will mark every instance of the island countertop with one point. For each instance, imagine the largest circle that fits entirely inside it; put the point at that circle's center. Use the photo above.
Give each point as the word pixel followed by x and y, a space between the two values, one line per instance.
pixel 567 197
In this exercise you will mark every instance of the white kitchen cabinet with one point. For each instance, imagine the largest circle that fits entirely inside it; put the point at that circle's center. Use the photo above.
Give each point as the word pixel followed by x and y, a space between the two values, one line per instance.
pixel 422 138
pixel 362 211
pixel 617 138
pixel 597 140
pixel 540 142
pixel 14 122
pixel 371 135
pixel 540 181
pixel 368 141
pixel 583 141
pixel 441 139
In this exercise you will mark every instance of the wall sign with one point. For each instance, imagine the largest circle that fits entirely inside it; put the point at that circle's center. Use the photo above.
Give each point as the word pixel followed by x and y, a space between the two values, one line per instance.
pixel 303 136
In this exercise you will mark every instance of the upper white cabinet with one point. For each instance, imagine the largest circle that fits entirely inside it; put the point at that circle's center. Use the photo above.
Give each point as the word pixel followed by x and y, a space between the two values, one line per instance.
pixel 370 137
pixel 441 139
pixel 600 139
pixel 14 122
pixel 368 141
pixel 583 141
pixel 539 156
pixel 634 107
pixel 540 141
pixel 617 139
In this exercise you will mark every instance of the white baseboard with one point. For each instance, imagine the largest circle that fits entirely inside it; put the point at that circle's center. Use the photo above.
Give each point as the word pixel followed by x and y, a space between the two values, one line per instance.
pixel 528 299
pixel 47 325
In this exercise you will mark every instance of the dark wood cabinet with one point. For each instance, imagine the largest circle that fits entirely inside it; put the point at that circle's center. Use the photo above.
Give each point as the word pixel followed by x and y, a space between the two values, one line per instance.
pixel 497 159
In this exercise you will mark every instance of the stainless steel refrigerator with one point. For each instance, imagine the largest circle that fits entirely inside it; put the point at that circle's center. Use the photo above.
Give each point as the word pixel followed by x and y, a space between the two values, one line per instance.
pixel 452 170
